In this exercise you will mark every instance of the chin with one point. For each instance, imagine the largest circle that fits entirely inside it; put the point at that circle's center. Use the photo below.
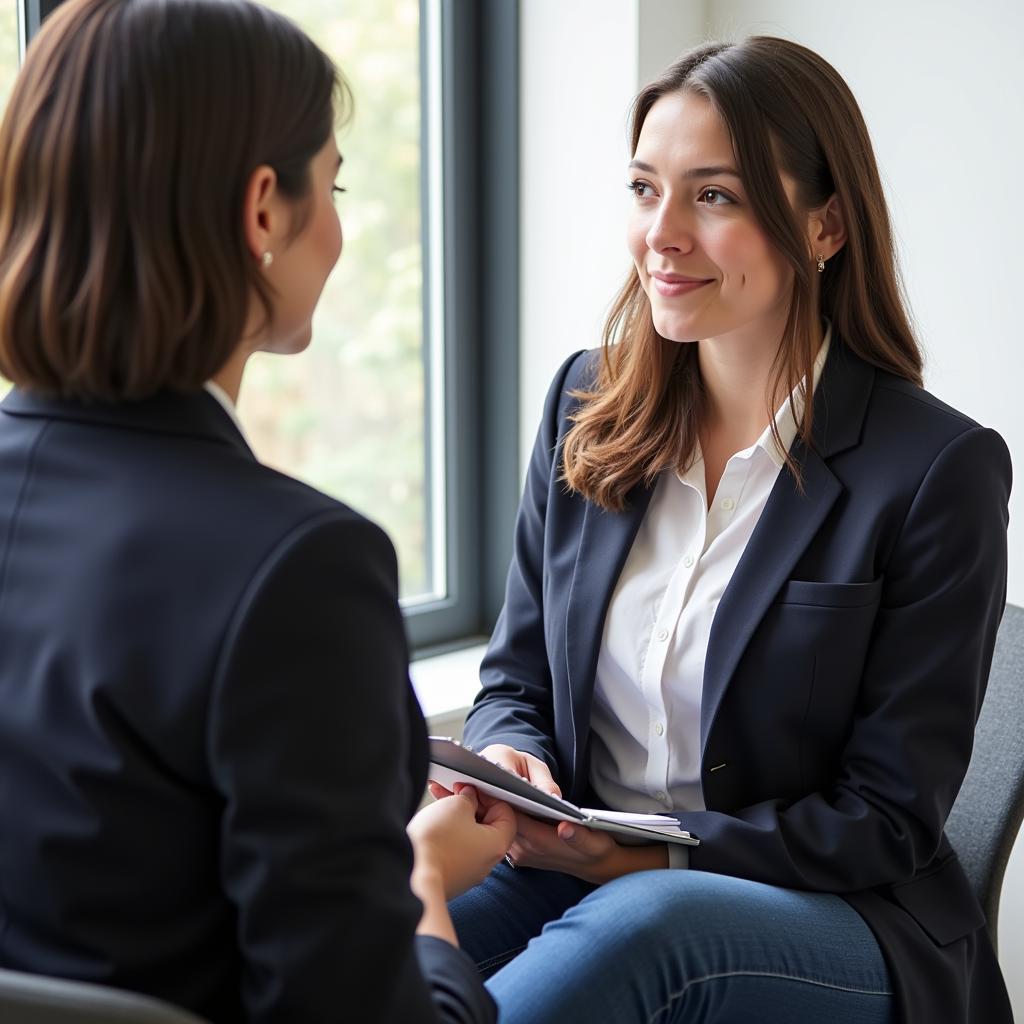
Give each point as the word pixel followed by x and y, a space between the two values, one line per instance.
pixel 293 343
pixel 673 328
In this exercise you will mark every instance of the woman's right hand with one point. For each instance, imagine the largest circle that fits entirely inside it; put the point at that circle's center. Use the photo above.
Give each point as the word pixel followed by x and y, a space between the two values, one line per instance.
pixel 526 766
pixel 531 768
pixel 457 840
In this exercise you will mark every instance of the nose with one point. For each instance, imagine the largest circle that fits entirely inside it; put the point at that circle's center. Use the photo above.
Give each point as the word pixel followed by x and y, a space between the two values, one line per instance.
pixel 671 230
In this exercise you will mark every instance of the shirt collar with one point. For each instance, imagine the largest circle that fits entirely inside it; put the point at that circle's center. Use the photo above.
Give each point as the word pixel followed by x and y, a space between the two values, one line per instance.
pixel 787 419
pixel 224 400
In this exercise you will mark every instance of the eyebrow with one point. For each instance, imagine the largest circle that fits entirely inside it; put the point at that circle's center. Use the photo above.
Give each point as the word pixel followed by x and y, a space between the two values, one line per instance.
pixel 341 160
pixel 693 172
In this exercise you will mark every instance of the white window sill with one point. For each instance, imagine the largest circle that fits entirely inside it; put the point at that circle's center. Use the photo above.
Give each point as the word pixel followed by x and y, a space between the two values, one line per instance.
pixel 445 685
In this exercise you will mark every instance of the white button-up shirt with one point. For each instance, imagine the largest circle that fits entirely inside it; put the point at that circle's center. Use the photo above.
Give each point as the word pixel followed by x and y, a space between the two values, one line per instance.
pixel 646 753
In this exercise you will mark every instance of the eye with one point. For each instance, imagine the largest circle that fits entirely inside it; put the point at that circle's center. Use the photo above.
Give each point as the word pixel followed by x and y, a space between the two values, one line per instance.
pixel 641 189
pixel 713 197
pixel 337 190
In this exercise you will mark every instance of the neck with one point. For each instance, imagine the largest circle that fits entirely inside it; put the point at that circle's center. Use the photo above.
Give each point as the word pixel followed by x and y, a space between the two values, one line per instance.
pixel 736 370
pixel 736 377
pixel 229 376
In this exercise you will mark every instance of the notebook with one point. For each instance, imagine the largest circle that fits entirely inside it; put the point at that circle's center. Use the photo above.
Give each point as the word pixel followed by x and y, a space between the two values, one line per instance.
pixel 450 762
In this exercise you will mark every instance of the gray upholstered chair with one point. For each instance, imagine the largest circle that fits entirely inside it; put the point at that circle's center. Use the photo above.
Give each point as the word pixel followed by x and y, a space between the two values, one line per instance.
pixel 33 999
pixel 988 811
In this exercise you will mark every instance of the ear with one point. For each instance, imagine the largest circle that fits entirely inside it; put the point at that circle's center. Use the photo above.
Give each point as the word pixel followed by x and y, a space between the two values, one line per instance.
pixel 259 211
pixel 826 228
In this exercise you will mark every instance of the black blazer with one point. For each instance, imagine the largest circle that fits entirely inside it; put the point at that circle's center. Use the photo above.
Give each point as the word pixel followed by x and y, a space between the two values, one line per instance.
pixel 209 747
pixel 845 668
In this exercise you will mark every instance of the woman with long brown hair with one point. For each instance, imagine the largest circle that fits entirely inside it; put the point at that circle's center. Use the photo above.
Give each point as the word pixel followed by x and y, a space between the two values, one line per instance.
pixel 757 577
pixel 209 748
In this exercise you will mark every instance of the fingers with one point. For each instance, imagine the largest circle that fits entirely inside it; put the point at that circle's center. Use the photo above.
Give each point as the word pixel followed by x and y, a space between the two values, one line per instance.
pixel 467 793
pixel 437 791
pixel 503 755
pixel 533 832
pixel 539 774
pixel 583 839
pixel 531 768
pixel 502 819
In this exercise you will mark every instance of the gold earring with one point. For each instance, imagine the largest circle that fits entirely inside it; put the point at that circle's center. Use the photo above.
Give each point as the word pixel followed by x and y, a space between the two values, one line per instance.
pixel 268 258
pixel 821 263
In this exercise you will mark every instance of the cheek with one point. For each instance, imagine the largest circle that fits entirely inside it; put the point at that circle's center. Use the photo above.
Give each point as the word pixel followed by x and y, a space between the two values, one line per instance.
pixel 329 235
pixel 324 238
pixel 336 238
pixel 636 239
pixel 745 255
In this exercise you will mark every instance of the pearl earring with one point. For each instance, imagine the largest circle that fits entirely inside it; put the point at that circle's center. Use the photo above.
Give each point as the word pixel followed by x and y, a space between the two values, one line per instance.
pixel 820 258
pixel 268 258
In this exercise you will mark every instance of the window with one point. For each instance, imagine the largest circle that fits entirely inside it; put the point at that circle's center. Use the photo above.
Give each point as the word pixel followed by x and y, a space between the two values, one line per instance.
pixel 8 48
pixel 405 404
pixel 350 414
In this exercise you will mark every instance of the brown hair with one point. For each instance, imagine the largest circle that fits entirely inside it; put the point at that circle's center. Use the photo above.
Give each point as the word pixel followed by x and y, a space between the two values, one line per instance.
pixel 125 151
pixel 786 109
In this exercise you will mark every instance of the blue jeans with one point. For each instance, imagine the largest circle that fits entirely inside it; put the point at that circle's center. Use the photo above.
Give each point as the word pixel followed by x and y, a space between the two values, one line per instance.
pixel 667 947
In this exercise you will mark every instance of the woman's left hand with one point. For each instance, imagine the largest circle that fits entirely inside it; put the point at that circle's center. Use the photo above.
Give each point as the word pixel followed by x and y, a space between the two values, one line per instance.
pixel 588 854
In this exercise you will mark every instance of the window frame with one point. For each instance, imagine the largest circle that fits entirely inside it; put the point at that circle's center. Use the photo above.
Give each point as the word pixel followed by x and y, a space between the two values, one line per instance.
pixel 479 391
pixel 31 14
pixel 480 161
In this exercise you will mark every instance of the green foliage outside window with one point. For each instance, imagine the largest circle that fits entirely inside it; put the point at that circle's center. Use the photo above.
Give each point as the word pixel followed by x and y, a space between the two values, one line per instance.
pixel 347 415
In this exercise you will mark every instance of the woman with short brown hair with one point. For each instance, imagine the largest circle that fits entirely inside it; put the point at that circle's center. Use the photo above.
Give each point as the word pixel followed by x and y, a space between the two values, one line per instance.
pixel 757 577
pixel 209 748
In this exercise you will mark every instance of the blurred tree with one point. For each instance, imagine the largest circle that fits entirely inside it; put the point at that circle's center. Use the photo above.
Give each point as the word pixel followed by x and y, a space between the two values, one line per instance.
pixel 347 415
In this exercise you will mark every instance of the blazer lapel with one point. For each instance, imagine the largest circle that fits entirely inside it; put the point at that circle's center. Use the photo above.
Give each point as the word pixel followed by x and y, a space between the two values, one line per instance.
pixel 605 540
pixel 788 523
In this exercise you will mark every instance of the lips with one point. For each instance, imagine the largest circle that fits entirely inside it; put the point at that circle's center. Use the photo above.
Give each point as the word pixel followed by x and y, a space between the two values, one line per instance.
pixel 670 285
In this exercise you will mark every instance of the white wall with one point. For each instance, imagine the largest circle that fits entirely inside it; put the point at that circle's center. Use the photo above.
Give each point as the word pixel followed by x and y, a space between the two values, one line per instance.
pixel 578 74
pixel 941 86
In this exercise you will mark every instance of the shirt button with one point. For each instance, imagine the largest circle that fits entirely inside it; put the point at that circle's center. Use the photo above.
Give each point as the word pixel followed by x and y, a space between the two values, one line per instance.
pixel 662 634
pixel 659 729
pixel 661 797
pixel 728 504
pixel 688 561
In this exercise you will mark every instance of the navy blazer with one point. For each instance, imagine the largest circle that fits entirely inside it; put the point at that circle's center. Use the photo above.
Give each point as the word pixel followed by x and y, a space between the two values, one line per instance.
pixel 209 747
pixel 845 668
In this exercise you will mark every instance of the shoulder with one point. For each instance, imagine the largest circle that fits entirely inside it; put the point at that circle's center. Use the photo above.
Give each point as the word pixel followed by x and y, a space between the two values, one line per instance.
pixel 916 420
pixel 576 373
pixel 288 519
pixel 902 442
pixel 895 396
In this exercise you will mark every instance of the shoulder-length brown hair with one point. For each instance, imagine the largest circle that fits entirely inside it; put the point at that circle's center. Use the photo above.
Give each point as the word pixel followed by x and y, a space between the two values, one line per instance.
pixel 125 152
pixel 786 110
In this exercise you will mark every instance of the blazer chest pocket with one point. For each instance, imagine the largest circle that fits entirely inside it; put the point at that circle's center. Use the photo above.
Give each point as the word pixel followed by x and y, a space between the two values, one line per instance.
pixel 831 595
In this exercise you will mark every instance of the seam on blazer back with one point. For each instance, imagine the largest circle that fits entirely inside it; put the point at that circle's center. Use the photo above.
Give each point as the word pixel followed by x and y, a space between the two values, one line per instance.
pixel 16 512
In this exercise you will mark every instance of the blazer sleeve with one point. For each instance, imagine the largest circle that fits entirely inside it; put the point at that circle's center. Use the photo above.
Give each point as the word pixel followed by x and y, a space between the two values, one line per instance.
pixel 924 678
pixel 514 705
pixel 308 740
